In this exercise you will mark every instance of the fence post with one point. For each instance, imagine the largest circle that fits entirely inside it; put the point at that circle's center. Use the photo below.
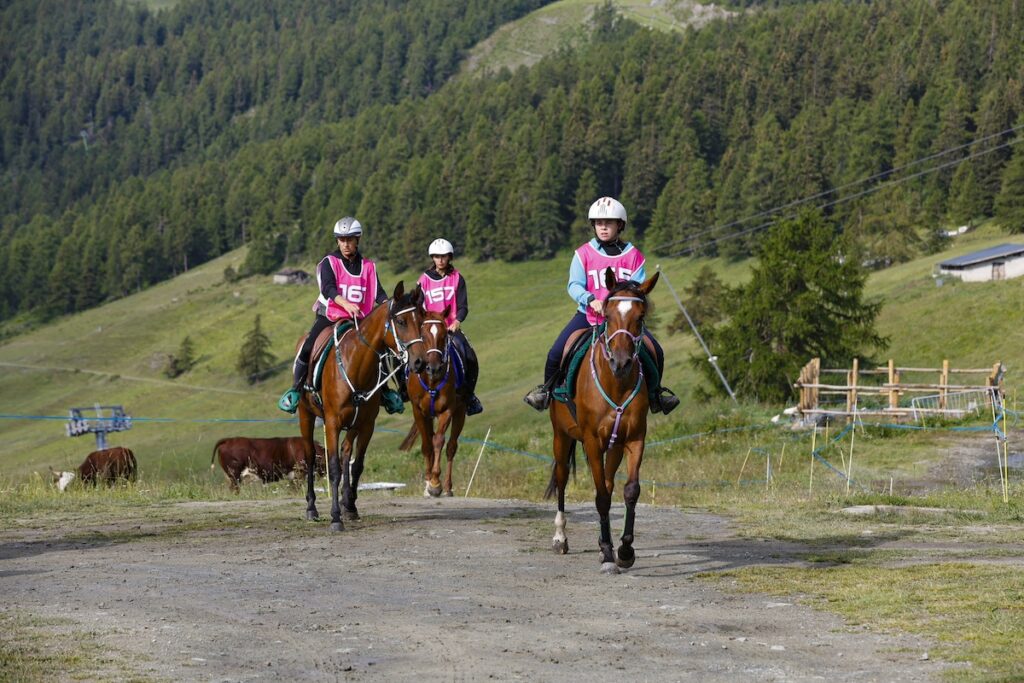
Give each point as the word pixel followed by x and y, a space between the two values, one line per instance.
pixel 943 382
pixel 894 394
pixel 851 395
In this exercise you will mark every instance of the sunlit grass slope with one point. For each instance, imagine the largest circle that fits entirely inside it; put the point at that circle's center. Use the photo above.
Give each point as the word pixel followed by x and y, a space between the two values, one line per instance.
pixel 929 319
pixel 115 355
pixel 565 23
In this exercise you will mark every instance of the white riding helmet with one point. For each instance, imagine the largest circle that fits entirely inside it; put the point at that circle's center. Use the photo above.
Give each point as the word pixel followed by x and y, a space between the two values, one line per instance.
pixel 606 207
pixel 440 247
pixel 348 227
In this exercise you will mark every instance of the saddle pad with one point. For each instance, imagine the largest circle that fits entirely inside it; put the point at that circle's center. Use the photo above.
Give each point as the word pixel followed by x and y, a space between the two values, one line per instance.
pixel 322 351
pixel 565 390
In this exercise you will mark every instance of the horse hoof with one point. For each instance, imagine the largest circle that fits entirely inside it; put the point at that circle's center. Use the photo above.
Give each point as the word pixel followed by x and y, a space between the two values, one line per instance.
pixel 337 526
pixel 431 491
pixel 560 547
pixel 350 515
pixel 448 494
pixel 312 516
pixel 626 559
pixel 609 568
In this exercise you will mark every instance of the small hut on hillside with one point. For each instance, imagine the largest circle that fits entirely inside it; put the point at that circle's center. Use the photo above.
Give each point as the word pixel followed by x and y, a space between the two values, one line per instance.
pixel 291 276
pixel 995 263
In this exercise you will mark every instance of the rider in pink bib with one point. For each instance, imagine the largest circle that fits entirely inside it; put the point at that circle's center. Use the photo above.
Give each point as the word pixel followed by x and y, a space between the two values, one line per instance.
pixel 349 288
pixel 444 287
pixel 587 289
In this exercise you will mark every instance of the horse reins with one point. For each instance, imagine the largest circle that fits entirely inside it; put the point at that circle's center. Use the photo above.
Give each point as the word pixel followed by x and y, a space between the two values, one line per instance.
pixel 446 359
pixel 400 353
pixel 637 340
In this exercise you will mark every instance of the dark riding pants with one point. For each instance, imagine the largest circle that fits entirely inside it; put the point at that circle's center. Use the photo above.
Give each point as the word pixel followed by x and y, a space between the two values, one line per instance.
pixel 320 323
pixel 469 355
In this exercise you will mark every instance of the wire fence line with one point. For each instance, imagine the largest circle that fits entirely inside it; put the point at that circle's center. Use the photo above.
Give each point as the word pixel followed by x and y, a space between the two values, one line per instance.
pixel 816 453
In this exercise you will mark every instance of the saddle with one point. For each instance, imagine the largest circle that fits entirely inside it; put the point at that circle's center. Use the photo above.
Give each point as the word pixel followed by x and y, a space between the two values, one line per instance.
pixel 576 348
pixel 321 352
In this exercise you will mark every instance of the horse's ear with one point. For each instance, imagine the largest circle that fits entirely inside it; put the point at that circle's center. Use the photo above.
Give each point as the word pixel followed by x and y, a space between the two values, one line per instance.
pixel 446 311
pixel 399 291
pixel 648 285
pixel 609 278
pixel 417 295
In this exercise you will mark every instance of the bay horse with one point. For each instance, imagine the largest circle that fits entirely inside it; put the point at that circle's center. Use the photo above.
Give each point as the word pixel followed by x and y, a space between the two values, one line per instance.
pixel 350 394
pixel 610 418
pixel 433 394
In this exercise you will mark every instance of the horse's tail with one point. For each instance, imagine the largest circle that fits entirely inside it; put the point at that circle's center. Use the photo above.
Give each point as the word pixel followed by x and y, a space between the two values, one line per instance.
pixel 552 484
pixel 409 438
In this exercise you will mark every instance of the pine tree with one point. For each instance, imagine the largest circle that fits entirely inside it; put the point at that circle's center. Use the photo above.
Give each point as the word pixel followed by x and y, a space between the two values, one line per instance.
pixel 804 300
pixel 1010 202
pixel 182 361
pixel 705 301
pixel 965 199
pixel 254 358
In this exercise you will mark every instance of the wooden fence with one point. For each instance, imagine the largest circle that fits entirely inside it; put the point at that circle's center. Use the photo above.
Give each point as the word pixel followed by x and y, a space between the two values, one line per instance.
pixel 888 397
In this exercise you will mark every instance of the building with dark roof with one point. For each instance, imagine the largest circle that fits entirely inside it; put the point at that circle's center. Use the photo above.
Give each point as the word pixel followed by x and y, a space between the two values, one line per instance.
pixel 1003 262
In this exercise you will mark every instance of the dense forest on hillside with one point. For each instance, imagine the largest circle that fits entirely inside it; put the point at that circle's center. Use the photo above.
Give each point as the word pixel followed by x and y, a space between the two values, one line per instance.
pixel 693 132
pixel 94 92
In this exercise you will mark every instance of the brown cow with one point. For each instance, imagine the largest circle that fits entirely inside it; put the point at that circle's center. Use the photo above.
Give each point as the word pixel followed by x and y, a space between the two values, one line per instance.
pixel 107 466
pixel 263 459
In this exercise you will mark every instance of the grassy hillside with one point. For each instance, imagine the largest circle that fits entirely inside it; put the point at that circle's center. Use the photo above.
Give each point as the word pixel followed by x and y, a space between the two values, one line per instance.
pixel 564 24
pixel 114 354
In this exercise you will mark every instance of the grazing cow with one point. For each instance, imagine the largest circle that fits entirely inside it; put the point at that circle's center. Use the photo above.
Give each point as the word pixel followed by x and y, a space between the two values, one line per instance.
pixel 263 459
pixel 107 466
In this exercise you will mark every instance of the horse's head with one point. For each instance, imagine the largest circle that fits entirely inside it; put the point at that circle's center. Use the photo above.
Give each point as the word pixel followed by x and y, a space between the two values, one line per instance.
pixel 405 315
pixel 434 331
pixel 625 307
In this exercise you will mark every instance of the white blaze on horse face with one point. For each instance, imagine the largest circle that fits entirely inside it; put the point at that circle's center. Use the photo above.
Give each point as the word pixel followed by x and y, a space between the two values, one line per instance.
pixel 433 329
pixel 65 479
pixel 624 307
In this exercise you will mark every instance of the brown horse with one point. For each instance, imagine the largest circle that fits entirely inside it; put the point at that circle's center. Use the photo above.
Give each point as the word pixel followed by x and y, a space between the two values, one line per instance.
pixel 433 394
pixel 350 393
pixel 610 418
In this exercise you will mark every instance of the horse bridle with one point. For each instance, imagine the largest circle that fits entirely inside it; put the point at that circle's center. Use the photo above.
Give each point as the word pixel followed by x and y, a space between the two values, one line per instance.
pixel 400 353
pixel 445 358
pixel 637 339
pixel 401 350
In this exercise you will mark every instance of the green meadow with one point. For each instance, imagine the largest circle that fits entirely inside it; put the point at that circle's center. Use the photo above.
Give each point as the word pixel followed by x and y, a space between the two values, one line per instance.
pixel 710 455
pixel 564 25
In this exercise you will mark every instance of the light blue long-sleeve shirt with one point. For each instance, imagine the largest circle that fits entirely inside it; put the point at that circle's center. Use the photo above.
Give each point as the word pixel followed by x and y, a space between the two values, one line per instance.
pixel 577 287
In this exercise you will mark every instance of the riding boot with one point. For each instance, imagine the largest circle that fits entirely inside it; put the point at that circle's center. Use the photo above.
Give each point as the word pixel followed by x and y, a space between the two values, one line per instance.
pixel 289 401
pixel 473 405
pixel 540 397
pixel 663 400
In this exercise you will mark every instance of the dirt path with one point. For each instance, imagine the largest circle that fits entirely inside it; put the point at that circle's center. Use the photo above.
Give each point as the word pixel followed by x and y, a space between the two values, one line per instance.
pixel 425 590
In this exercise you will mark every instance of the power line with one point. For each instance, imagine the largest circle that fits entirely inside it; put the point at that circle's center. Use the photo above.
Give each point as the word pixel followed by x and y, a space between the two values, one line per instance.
pixel 824 193
pixel 856 195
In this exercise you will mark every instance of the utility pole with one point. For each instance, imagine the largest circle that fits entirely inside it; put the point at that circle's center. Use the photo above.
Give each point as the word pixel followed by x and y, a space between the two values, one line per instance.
pixel 711 359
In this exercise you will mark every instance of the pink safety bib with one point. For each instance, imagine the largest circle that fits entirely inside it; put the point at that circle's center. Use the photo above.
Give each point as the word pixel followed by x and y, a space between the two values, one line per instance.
pixel 440 293
pixel 359 289
pixel 594 265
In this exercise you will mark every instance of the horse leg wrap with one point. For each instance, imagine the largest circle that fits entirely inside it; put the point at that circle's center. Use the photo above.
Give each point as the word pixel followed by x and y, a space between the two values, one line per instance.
pixel 631 492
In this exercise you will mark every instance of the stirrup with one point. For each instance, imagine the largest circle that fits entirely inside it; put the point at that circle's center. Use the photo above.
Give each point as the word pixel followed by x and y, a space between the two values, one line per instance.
pixel 392 401
pixel 663 400
pixel 473 406
pixel 289 401
pixel 539 398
